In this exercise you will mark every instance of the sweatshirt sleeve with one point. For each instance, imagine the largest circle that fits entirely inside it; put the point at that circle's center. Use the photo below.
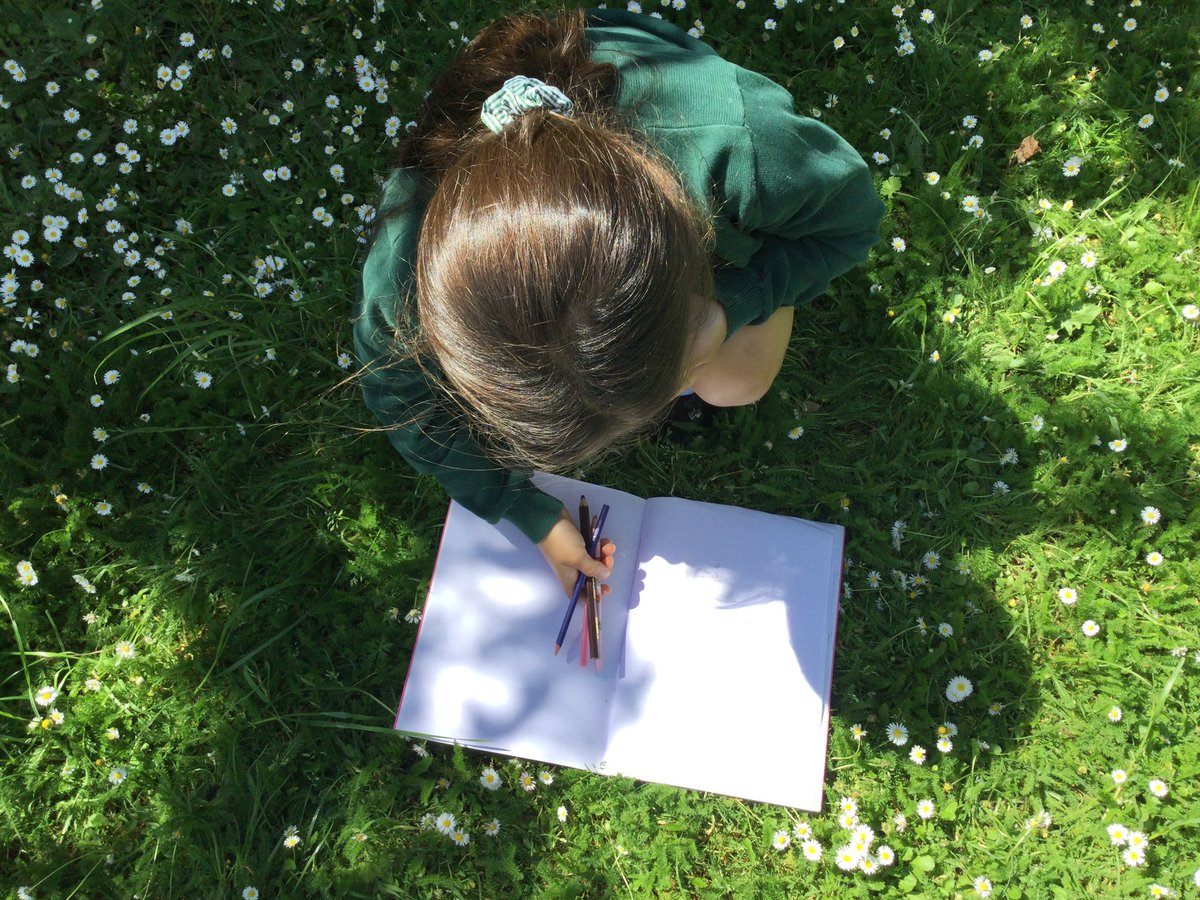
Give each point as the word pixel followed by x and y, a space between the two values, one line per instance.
pixel 418 423
pixel 809 206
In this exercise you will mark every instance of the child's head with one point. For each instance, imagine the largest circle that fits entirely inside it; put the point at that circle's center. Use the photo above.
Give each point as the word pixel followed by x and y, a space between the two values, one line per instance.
pixel 560 277
pixel 561 268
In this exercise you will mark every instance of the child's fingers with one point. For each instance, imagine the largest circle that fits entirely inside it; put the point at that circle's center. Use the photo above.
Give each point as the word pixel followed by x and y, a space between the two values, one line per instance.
pixel 605 558
pixel 594 568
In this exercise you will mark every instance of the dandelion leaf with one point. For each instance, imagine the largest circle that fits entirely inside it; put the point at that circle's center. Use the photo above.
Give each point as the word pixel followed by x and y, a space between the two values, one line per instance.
pixel 1079 317
pixel 923 865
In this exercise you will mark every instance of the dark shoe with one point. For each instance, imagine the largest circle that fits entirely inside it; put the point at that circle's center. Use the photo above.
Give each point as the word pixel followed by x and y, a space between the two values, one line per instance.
pixel 688 417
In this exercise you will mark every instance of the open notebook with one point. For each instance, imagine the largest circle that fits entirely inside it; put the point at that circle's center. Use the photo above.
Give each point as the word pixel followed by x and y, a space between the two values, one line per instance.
pixel 716 645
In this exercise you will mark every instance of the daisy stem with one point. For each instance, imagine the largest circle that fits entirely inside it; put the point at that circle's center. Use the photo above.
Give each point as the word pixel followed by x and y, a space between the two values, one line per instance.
pixel 1157 706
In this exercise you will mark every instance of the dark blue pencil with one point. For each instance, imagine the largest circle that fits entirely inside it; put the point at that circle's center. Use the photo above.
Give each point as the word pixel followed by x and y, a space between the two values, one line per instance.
pixel 566 622
pixel 585 531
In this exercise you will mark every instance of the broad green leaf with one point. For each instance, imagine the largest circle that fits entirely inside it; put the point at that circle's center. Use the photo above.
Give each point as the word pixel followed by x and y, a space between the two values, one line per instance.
pixel 923 865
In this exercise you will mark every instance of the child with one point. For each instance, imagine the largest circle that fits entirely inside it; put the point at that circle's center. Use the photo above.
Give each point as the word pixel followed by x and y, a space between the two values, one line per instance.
pixel 561 255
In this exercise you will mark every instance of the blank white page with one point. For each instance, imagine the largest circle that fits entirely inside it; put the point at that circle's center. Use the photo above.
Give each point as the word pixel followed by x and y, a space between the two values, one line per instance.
pixel 483 669
pixel 729 653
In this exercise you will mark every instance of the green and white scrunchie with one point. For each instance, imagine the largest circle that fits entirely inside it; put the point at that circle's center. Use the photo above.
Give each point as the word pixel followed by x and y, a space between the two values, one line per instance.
pixel 519 94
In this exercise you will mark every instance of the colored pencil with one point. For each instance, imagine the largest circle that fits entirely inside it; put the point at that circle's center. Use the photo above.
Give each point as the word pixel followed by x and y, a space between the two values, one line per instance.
pixel 591 539
pixel 579 581
pixel 566 622
pixel 594 545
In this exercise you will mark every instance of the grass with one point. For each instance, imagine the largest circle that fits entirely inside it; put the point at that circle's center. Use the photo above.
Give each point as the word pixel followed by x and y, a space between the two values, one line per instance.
pixel 262 583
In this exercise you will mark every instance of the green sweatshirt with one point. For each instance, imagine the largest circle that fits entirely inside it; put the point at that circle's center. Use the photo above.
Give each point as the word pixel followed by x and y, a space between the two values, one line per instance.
pixel 797 208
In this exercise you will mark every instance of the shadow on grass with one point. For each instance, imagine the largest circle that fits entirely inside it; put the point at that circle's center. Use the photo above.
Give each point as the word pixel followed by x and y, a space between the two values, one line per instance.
pixel 929 455
pixel 923 455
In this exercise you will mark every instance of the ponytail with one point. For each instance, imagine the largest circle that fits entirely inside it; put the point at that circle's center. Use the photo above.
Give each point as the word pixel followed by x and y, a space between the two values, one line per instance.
pixel 552 49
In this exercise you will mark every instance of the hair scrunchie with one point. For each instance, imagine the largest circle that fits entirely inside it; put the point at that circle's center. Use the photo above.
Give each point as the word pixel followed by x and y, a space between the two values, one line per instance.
pixel 520 94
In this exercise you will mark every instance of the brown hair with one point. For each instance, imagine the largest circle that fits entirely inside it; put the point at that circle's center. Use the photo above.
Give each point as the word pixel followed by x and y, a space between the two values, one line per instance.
pixel 558 262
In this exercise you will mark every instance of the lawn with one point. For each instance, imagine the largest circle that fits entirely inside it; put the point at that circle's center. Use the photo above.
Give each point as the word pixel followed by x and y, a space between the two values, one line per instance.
pixel 211 569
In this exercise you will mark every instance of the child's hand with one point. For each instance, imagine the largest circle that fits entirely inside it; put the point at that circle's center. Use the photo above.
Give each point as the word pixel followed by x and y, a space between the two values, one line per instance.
pixel 564 550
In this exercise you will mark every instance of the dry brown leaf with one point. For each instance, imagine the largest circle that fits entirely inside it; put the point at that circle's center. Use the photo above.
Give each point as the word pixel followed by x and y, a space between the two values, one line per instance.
pixel 1029 147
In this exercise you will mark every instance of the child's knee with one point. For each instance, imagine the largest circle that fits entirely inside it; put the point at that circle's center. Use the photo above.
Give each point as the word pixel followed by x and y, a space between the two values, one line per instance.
pixel 746 365
pixel 736 388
